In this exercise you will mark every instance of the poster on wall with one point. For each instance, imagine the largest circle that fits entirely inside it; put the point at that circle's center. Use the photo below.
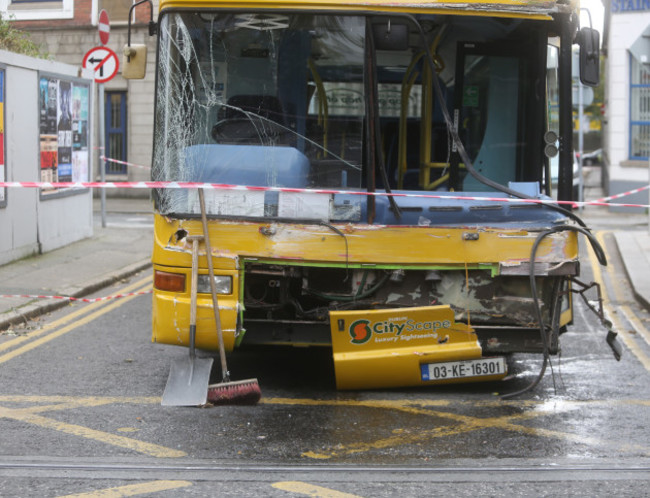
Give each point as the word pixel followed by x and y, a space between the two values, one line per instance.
pixel 3 164
pixel 64 128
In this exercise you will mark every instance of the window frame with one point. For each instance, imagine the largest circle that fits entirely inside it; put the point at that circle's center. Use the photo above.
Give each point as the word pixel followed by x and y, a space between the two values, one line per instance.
pixel 116 169
pixel 633 122
pixel 60 9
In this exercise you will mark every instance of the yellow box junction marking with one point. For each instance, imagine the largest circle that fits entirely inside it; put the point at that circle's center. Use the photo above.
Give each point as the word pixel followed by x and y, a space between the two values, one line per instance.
pixel 67 318
pixel 58 333
pixel 30 417
pixel 307 489
pixel 463 424
pixel 132 489
pixel 626 337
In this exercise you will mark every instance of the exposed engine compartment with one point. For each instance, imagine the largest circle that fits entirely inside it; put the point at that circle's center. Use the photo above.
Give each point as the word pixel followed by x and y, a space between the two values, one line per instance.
pixel 283 293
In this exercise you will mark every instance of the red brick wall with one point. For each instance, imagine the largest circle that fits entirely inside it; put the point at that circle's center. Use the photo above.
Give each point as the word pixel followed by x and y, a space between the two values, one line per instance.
pixel 82 17
pixel 143 13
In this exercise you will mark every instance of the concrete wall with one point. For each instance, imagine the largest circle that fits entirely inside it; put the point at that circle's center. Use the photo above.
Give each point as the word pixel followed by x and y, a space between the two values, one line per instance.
pixel 30 224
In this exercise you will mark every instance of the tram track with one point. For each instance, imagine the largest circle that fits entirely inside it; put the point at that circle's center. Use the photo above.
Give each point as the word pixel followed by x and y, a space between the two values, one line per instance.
pixel 443 471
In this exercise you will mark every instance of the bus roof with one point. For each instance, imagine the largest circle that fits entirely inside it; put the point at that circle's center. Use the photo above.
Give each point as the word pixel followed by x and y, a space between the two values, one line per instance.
pixel 540 9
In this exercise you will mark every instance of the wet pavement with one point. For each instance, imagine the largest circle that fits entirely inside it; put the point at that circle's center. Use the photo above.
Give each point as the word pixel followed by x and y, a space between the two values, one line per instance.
pixel 94 421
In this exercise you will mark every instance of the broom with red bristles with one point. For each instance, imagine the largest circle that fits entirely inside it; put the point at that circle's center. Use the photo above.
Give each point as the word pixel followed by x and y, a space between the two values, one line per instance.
pixel 242 392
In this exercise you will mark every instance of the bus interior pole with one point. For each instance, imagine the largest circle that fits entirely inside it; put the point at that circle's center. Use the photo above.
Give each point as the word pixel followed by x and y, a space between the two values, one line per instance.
pixel 102 152
pixel 565 173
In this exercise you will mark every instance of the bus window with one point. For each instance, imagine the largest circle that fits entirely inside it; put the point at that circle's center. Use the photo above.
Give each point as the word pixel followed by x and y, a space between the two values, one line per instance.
pixel 262 100
pixel 285 100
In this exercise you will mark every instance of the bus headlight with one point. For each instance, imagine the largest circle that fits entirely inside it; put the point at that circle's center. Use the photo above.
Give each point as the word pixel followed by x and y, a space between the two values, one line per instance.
pixel 223 284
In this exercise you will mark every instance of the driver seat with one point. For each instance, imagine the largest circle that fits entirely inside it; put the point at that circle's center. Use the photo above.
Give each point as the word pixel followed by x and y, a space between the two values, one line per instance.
pixel 238 124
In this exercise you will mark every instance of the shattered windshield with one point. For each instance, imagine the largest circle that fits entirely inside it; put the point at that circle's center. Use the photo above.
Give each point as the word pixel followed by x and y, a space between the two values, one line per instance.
pixel 244 104
pixel 342 102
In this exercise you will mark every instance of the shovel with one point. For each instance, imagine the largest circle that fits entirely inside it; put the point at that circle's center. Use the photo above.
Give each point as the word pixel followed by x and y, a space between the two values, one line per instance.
pixel 188 380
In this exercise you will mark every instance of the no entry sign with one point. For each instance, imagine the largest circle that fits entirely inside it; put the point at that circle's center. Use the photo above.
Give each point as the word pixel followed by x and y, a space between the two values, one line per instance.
pixel 104 27
pixel 103 61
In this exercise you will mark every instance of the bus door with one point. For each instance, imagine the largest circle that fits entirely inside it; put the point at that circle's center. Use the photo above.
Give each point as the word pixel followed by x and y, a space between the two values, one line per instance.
pixel 496 114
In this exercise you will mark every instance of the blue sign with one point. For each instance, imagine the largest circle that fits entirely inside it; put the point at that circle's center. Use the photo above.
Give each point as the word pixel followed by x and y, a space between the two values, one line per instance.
pixel 619 6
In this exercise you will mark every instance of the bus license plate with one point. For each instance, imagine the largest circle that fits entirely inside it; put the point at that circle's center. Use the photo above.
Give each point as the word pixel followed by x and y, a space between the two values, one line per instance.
pixel 467 368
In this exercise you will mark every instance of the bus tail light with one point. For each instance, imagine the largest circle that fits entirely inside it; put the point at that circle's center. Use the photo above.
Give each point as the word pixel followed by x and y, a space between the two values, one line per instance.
pixel 166 281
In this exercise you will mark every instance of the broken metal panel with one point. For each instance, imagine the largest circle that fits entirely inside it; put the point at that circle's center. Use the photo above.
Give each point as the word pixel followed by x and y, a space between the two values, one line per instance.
pixel 385 348
pixel 430 247
pixel 281 296
pixel 504 340
pixel 523 268
pixel 278 293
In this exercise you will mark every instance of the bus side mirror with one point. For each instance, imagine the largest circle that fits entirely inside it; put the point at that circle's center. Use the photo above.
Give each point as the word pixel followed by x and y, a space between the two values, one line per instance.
pixel 589 40
pixel 134 63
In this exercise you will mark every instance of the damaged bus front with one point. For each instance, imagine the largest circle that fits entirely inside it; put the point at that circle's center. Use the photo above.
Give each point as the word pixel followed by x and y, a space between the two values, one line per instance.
pixel 380 167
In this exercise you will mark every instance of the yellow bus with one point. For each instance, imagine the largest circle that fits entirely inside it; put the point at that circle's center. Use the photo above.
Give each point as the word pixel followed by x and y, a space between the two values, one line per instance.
pixel 376 180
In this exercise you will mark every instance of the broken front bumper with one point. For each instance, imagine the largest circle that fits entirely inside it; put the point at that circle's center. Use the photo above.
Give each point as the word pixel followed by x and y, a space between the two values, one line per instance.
pixel 407 347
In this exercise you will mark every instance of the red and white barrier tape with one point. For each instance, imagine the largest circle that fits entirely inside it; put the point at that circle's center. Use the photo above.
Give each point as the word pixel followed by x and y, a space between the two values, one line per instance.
pixel 590 203
pixel 81 299
pixel 221 186
pixel 623 194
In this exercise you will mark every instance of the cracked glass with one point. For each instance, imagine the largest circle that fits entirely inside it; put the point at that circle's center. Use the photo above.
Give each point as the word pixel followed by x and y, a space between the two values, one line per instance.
pixel 283 101
pixel 265 100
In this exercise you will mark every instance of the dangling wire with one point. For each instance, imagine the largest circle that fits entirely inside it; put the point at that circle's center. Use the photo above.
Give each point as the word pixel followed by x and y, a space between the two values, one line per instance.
pixel 602 259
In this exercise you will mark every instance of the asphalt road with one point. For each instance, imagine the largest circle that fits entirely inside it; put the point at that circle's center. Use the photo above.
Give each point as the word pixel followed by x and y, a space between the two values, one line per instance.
pixel 80 413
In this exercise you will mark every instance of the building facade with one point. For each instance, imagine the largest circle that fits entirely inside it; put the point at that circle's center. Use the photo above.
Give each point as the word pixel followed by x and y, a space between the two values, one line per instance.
pixel 67 30
pixel 626 136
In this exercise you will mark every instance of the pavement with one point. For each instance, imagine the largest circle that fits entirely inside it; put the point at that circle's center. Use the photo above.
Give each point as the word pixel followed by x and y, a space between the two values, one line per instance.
pixel 631 232
pixel 114 252
pixel 123 248
pixel 632 238
pixel 635 252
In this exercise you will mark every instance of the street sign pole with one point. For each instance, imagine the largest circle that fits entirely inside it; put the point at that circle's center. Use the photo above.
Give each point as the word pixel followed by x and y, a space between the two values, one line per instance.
pixel 102 60
pixel 102 152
